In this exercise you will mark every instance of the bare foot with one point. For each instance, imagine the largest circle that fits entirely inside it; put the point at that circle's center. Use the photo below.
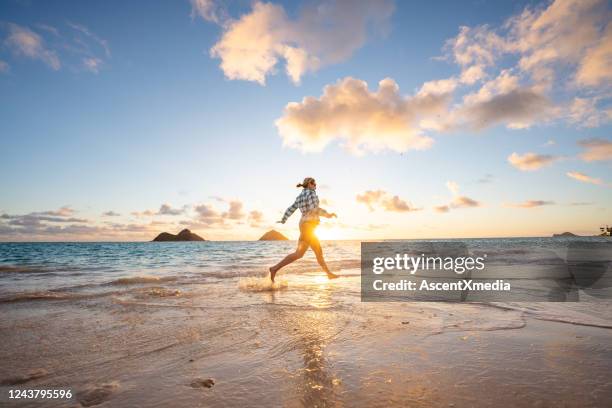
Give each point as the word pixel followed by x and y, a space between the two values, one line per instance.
pixel 331 275
pixel 272 274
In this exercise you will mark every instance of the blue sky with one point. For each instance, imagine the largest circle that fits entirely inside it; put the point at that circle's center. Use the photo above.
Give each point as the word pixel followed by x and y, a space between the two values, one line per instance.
pixel 123 107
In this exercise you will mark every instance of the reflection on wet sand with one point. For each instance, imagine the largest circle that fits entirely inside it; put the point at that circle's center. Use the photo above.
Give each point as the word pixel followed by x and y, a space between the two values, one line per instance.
pixel 309 333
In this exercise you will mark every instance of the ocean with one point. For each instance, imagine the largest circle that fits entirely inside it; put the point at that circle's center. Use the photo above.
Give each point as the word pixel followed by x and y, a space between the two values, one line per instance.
pixel 143 324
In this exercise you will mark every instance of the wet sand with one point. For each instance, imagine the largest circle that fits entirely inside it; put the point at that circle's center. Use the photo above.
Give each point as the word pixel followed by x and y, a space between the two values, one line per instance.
pixel 310 343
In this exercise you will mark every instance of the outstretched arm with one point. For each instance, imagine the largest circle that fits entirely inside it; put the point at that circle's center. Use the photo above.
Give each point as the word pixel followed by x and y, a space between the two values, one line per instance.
pixel 289 211
pixel 326 214
pixel 314 199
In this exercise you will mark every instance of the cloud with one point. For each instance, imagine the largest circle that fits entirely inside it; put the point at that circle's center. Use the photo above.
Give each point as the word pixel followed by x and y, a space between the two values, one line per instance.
pixel 381 199
pixel 453 187
pixel 207 215
pixel 235 211
pixel 39 221
pixel 564 43
pixel 583 112
pixel 475 49
pixel 458 200
pixel 442 208
pixel 463 202
pixel 360 119
pixel 531 161
pixel 92 64
pixel 4 67
pixel 583 177
pixel 166 209
pixel 27 43
pixel 110 214
pixel 507 77
pixel 145 213
pixel 65 211
pixel 36 219
pixel 209 10
pixel 594 67
pixel 36 226
pixel 596 149
pixel 563 32
pixel 102 43
pixel 323 33
pixel 255 218
pixel 514 106
pixel 531 204
pixel 81 47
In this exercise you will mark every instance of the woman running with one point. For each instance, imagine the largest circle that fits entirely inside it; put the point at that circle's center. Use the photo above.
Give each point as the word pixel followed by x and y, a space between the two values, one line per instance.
pixel 308 203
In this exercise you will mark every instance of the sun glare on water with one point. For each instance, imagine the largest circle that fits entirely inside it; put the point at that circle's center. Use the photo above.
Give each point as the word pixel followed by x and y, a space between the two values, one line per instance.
pixel 320 279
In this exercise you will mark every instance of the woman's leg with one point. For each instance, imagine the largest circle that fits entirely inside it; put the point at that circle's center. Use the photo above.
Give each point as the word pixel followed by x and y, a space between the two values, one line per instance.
pixel 316 248
pixel 302 246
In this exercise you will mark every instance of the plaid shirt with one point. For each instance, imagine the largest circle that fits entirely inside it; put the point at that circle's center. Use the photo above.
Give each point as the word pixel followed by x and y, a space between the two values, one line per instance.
pixel 308 203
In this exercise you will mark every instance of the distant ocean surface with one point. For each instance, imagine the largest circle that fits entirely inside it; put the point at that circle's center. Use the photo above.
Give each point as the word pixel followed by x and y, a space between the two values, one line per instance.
pixel 144 323
pixel 56 271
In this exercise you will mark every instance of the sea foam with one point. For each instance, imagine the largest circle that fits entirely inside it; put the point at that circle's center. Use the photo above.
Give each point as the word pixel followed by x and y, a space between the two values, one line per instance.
pixel 261 284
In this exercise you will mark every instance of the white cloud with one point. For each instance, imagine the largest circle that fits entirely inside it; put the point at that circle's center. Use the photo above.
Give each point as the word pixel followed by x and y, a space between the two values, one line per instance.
pixel 26 42
pixel 595 66
pixel 81 47
pixel 531 204
pixel 567 43
pixel 458 200
pixel 323 33
pixel 583 112
pixel 464 202
pixel 531 161
pixel 583 177
pixel 381 199
pixel 92 64
pixel 359 118
pixel 209 10
pixel 453 187
pixel 596 149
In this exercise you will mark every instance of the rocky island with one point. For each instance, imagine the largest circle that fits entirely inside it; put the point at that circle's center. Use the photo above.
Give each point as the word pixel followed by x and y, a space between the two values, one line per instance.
pixel 184 235
pixel 564 234
pixel 273 235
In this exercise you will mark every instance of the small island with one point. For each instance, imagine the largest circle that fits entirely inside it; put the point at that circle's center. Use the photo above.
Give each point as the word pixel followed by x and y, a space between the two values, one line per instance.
pixel 565 234
pixel 273 235
pixel 184 235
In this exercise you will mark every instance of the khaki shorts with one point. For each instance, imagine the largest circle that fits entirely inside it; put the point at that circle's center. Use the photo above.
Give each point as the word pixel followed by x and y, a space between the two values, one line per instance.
pixel 307 229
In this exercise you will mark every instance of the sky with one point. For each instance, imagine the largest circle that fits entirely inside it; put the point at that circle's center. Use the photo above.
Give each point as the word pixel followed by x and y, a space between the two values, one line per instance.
pixel 421 119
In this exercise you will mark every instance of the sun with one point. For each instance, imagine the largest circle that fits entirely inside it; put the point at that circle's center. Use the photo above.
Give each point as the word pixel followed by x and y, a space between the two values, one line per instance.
pixel 330 233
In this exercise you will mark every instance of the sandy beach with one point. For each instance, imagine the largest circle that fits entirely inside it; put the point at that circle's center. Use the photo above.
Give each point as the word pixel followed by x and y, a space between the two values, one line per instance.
pixel 156 341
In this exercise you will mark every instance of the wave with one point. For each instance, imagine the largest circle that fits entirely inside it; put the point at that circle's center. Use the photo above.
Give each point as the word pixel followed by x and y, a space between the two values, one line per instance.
pixel 51 295
pixel 22 269
pixel 160 292
pixel 133 280
pixel 554 312
pixel 261 285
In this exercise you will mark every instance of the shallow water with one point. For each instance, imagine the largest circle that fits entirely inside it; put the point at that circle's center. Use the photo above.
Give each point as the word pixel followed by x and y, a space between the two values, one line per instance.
pixel 140 324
